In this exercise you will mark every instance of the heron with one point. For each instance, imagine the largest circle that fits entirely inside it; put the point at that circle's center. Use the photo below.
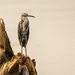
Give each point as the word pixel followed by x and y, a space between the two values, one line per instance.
pixel 23 31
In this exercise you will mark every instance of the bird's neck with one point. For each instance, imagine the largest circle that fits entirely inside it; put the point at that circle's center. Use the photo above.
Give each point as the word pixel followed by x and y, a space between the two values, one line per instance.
pixel 23 18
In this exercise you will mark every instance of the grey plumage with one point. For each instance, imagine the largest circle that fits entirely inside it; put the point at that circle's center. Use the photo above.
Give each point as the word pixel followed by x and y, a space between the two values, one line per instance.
pixel 23 30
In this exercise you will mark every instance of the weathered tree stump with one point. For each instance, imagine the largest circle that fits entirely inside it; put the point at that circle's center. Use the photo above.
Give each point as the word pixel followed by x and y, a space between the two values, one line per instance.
pixel 11 64
pixel 19 65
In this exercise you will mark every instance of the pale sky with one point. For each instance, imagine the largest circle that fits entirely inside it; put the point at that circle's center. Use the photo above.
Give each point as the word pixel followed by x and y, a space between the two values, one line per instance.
pixel 52 32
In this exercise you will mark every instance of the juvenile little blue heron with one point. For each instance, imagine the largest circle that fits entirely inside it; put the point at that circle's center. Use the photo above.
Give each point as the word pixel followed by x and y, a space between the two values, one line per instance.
pixel 23 31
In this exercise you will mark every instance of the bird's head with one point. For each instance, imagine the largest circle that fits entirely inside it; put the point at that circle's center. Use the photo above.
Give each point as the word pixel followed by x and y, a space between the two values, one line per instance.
pixel 2 25
pixel 26 15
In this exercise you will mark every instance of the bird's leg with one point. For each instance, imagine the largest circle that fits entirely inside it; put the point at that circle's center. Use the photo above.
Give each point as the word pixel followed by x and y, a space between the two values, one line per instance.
pixel 25 50
pixel 21 49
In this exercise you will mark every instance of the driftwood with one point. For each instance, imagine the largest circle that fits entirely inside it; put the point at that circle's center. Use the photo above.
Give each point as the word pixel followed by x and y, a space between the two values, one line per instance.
pixel 11 64
pixel 19 65
pixel 4 41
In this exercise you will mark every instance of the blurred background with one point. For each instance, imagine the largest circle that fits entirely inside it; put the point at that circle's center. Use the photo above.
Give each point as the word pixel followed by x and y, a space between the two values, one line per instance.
pixel 52 32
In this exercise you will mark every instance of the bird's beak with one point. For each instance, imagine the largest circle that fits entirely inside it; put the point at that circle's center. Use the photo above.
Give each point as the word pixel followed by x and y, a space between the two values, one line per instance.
pixel 31 16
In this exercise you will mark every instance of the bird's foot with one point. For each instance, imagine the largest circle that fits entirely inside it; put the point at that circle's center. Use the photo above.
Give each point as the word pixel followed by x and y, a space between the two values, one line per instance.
pixel 26 56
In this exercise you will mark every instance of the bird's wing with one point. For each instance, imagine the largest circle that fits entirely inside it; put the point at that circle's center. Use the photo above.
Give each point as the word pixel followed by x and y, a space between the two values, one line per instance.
pixel 27 29
pixel 28 34
pixel 19 31
pixel 27 24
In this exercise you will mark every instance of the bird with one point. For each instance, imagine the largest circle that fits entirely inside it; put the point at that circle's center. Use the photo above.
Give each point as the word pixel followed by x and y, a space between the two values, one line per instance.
pixel 23 31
